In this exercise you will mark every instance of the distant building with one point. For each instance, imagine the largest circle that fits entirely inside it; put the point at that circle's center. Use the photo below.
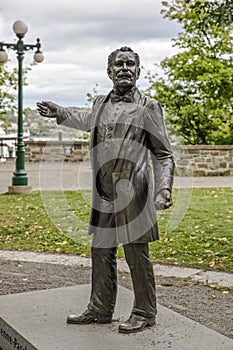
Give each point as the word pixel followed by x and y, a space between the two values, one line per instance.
pixel 8 143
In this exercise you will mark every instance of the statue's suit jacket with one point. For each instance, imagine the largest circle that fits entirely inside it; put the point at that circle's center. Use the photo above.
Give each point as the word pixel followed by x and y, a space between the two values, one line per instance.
pixel 138 132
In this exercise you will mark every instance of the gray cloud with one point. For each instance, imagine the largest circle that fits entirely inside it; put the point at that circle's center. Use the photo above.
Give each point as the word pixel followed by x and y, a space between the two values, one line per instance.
pixel 65 21
pixel 78 35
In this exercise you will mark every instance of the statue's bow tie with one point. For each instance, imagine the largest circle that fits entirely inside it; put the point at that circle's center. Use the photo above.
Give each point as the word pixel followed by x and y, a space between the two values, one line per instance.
pixel 118 98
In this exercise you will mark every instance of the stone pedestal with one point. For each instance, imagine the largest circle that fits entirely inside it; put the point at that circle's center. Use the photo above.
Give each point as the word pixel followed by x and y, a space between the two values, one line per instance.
pixel 37 321
pixel 20 189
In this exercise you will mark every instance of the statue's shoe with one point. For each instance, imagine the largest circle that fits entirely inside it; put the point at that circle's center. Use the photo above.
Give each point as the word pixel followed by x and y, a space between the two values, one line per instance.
pixel 89 317
pixel 136 323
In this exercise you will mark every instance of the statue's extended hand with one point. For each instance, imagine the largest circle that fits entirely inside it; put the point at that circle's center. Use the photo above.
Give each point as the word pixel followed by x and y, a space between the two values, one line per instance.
pixel 163 200
pixel 47 109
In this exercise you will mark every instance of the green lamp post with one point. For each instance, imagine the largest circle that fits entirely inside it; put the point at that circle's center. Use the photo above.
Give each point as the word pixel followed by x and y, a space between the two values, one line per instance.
pixel 20 179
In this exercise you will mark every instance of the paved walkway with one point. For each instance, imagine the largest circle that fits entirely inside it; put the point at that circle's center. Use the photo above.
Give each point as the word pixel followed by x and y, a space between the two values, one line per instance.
pixel 212 278
pixel 76 176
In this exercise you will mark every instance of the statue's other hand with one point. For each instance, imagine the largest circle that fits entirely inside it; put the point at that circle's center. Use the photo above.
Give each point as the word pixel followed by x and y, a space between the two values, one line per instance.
pixel 163 200
pixel 47 109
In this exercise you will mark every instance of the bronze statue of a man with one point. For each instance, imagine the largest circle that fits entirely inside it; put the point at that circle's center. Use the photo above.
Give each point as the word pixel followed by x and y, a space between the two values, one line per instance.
pixel 127 134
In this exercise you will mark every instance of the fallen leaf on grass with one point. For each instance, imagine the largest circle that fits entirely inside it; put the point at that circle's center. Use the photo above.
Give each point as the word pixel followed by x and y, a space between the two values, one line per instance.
pixel 212 264
pixel 64 242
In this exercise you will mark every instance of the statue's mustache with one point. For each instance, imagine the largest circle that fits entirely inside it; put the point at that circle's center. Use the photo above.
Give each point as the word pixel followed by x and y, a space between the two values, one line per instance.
pixel 124 75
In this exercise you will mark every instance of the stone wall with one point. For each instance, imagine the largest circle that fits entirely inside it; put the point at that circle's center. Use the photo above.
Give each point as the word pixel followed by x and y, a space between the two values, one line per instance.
pixel 190 160
pixel 52 151
pixel 201 160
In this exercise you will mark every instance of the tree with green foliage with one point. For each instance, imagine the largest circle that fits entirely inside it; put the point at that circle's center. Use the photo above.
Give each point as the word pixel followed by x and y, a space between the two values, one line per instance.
pixel 196 87
pixel 92 96
pixel 8 87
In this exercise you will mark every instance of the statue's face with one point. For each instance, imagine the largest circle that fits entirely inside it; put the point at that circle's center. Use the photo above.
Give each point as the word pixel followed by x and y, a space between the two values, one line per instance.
pixel 124 71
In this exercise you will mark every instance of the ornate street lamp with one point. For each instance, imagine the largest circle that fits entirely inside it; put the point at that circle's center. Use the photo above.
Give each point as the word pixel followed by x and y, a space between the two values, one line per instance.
pixel 20 179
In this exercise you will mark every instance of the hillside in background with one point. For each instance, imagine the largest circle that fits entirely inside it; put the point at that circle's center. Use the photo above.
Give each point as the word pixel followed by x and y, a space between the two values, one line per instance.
pixel 42 128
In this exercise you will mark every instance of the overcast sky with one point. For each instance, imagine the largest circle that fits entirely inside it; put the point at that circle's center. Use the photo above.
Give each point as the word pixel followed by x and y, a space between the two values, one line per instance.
pixel 77 36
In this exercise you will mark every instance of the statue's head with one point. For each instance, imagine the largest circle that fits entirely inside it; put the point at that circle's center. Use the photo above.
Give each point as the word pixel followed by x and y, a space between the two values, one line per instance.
pixel 123 68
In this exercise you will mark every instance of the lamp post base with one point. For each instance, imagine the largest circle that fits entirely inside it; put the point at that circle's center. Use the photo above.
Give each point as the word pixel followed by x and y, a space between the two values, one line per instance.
pixel 19 178
pixel 20 189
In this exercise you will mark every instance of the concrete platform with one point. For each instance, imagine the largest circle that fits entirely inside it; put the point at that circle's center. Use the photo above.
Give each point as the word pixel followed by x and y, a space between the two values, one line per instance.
pixel 37 321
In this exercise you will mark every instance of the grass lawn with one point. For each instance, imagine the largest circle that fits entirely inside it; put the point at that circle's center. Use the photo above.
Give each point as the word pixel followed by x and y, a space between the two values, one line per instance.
pixel 197 234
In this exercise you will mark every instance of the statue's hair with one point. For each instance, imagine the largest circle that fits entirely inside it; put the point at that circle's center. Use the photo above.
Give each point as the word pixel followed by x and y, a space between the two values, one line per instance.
pixel 112 55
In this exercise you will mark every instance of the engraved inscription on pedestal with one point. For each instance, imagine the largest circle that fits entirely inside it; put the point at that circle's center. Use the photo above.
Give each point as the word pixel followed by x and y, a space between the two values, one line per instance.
pixel 10 339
